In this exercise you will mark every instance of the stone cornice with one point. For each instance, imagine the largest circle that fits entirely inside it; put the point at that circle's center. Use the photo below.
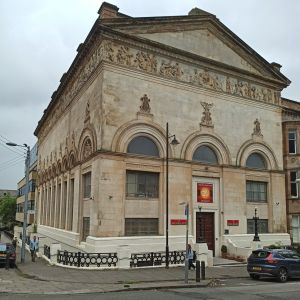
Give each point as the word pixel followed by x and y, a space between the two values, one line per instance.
pixel 194 22
pixel 105 44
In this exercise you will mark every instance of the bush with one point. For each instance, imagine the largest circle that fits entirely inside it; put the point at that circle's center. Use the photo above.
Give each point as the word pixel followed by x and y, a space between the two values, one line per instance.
pixel 224 249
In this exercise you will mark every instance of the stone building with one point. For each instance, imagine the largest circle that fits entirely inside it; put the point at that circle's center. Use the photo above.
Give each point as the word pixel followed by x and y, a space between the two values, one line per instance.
pixel 102 139
pixel 31 195
pixel 291 150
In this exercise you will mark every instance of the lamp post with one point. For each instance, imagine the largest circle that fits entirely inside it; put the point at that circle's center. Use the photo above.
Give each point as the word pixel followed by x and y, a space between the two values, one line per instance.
pixel 27 163
pixel 174 142
pixel 255 218
pixel 186 265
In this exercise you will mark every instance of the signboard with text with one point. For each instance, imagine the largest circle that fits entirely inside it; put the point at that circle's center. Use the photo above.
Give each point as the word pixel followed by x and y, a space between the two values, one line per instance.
pixel 204 192
pixel 178 221
pixel 233 222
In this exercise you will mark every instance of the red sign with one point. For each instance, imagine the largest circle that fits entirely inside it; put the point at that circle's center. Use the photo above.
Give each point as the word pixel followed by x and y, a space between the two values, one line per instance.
pixel 178 221
pixel 204 192
pixel 233 222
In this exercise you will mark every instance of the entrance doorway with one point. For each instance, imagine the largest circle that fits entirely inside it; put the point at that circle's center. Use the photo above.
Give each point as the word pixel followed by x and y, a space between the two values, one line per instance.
pixel 205 229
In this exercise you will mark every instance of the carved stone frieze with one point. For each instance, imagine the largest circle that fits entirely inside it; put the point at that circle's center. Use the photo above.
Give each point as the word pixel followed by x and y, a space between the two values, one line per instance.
pixel 158 64
pixel 170 70
pixel 145 62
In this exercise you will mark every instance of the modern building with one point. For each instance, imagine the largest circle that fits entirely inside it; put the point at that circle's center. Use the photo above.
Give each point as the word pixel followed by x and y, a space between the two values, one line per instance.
pixel 31 193
pixel 291 151
pixel 106 156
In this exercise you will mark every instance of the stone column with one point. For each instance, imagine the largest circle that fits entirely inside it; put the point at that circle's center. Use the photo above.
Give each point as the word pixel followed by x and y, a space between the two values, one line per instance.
pixel 64 189
pixel 76 203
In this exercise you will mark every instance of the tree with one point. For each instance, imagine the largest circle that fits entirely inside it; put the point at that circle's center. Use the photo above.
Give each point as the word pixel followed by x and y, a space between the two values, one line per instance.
pixel 8 211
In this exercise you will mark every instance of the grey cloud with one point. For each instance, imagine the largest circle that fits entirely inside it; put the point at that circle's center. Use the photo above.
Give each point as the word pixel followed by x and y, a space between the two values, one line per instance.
pixel 39 41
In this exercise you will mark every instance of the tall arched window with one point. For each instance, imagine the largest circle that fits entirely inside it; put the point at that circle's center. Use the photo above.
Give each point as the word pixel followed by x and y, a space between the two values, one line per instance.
pixel 205 154
pixel 256 161
pixel 143 145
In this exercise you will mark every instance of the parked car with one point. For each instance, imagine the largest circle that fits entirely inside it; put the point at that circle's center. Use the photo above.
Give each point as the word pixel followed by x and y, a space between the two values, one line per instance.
pixel 279 263
pixel 4 248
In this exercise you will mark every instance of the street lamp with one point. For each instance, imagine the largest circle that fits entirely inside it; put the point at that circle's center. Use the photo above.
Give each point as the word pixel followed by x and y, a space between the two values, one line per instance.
pixel 255 218
pixel 174 142
pixel 27 164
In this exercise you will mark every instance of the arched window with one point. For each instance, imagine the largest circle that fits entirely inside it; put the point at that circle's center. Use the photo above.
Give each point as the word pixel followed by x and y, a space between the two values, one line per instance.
pixel 205 154
pixel 256 161
pixel 143 145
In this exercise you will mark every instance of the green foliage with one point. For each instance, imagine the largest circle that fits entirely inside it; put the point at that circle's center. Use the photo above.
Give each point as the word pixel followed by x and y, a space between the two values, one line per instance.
pixel 224 249
pixel 8 211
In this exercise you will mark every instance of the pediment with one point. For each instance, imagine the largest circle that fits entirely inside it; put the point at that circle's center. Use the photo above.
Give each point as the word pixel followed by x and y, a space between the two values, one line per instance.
pixel 206 44
pixel 205 36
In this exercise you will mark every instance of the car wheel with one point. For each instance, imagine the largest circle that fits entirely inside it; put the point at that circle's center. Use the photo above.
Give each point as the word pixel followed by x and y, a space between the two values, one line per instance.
pixel 254 276
pixel 282 275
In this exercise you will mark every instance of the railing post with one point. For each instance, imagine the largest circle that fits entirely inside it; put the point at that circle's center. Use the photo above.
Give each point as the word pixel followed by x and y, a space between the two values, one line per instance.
pixel 151 259
pixel 78 259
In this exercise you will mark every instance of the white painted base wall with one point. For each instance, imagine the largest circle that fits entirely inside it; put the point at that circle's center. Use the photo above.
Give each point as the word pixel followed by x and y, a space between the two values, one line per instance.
pixel 241 245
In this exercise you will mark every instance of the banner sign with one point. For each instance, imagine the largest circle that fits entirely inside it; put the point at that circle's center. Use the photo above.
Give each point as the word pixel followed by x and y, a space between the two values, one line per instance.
pixel 178 221
pixel 233 222
pixel 204 192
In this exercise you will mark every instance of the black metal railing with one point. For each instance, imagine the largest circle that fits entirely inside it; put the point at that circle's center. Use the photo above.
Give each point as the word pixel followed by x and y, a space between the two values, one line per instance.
pixel 156 258
pixel 47 251
pixel 80 259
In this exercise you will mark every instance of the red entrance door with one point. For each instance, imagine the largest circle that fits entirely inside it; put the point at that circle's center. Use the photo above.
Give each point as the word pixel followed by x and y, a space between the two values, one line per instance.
pixel 205 229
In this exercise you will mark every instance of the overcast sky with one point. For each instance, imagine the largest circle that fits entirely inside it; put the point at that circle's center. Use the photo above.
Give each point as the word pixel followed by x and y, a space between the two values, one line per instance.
pixel 39 39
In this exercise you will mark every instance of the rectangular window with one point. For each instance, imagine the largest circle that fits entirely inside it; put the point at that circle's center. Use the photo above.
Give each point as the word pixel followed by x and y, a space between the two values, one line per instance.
pixel 296 229
pixel 87 185
pixel 256 191
pixel 294 184
pixel 292 141
pixel 142 184
pixel 262 226
pixel 140 227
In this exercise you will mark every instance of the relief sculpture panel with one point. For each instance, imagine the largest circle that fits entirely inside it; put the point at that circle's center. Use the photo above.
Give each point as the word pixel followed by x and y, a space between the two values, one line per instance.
pixel 114 52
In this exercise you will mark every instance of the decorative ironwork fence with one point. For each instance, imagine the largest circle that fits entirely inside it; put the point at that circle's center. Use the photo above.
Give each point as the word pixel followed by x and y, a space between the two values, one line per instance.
pixel 80 259
pixel 156 258
pixel 47 251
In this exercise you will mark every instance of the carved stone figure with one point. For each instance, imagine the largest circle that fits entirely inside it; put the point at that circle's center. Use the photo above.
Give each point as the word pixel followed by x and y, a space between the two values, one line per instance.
pixel 108 51
pixel 210 81
pixel 87 148
pixel 257 129
pixel 145 62
pixel 196 78
pixel 170 71
pixel 206 119
pixel 145 107
pixel 277 97
pixel 229 86
pixel 123 56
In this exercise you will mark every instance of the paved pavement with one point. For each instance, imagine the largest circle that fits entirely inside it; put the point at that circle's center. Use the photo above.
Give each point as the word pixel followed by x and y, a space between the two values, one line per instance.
pixel 42 278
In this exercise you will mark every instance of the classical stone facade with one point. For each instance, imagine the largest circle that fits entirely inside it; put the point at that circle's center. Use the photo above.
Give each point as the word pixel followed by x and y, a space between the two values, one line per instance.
pixel 102 139
pixel 291 150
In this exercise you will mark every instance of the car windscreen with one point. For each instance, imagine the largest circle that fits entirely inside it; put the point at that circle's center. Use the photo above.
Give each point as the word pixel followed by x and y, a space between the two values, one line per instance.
pixel 260 254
